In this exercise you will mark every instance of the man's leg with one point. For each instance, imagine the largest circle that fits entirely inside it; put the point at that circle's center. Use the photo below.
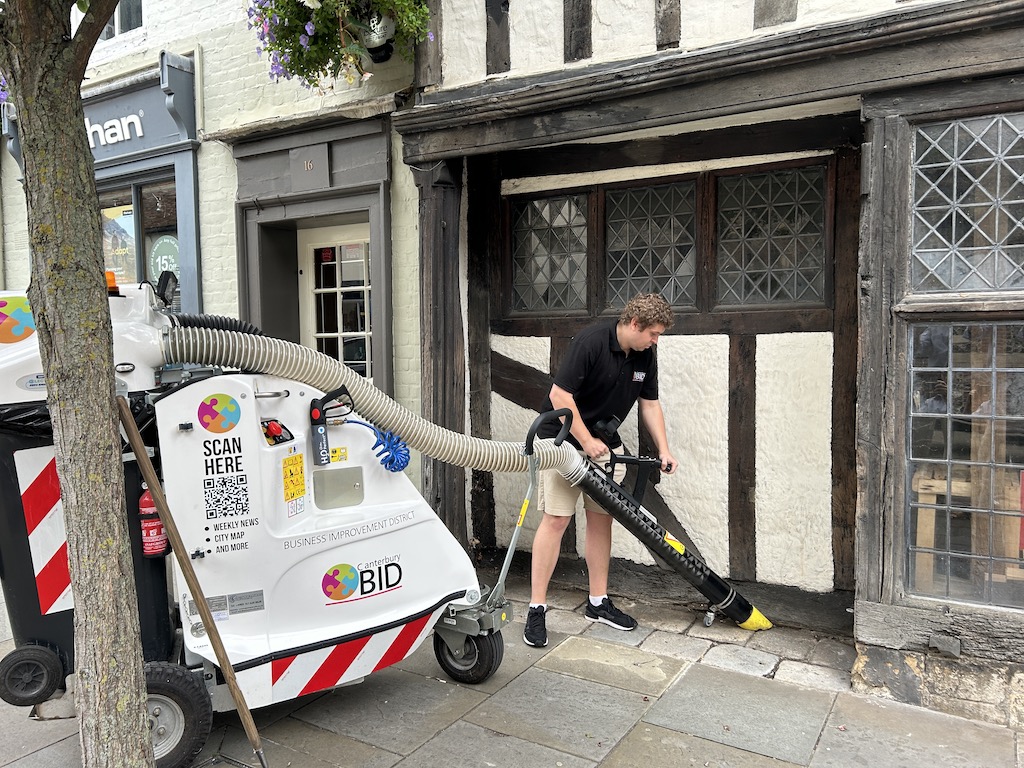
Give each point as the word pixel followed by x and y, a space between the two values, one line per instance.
pixel 546 545
pixel 598 550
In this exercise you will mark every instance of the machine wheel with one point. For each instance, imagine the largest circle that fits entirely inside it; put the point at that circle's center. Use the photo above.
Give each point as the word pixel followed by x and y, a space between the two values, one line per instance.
pixel 29 675
pixel 179 711
pixel 481 657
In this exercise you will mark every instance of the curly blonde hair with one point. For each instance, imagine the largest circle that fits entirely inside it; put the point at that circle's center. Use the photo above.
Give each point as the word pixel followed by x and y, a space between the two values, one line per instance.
pixel 648 309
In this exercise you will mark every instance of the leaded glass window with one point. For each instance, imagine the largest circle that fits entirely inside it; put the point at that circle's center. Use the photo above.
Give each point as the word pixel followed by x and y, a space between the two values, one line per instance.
pixel 771 238
pixel 965 530
pixel 549 254
pixel 650 243
pixel 968 205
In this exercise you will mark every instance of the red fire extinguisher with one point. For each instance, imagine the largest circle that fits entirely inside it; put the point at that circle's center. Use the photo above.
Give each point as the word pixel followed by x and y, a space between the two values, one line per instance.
pixel 154 537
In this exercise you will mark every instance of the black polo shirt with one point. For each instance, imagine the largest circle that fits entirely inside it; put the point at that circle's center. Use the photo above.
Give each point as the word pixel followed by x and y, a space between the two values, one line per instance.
pixel 602 378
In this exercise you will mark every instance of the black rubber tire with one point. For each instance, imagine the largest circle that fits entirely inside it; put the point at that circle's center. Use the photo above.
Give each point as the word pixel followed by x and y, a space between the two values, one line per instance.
pixel 481 657
pixel 180 713
pixel 29 675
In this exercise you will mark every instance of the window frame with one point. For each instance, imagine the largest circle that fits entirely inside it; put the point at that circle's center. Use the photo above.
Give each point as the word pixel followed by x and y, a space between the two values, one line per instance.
pixel 707 315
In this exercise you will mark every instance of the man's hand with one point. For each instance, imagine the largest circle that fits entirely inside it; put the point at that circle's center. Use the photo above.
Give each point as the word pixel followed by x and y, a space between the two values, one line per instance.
pixel 594 448
pixel 668 463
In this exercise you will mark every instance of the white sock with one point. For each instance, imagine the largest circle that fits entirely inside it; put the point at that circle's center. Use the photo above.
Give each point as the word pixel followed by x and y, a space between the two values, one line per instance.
pixel 596 601
pixel 540 605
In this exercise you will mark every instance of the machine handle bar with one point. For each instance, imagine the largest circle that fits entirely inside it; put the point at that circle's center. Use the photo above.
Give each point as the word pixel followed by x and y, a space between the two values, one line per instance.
pixel 548 416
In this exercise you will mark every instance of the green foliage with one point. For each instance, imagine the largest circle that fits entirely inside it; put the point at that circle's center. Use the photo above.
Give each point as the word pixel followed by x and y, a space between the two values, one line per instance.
pixel 316 41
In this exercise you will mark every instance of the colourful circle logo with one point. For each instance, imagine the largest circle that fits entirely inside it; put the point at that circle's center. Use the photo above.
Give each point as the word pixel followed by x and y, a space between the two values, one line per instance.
pixel 340 581
pixel 219 413
pixel 16 321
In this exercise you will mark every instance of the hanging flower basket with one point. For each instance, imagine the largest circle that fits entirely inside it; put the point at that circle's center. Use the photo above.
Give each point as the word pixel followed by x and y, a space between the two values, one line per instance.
pixel 320 42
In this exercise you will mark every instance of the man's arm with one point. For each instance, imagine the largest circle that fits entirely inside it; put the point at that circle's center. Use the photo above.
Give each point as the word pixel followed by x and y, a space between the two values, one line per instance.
pixel 592 446
pixel 654 420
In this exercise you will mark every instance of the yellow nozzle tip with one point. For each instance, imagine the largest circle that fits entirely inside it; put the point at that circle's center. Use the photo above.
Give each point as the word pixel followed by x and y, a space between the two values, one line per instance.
pixel 756 621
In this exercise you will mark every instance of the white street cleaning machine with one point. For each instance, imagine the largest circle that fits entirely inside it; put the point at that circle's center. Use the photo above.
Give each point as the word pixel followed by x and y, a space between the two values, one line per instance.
pixel 319 561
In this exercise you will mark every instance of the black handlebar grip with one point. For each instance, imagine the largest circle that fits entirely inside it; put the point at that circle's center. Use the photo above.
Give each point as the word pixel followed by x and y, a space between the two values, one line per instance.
pixel 548 416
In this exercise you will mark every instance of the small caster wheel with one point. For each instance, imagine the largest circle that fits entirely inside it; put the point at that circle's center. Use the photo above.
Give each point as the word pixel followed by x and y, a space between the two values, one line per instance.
pixel 481 657
pixel 709 618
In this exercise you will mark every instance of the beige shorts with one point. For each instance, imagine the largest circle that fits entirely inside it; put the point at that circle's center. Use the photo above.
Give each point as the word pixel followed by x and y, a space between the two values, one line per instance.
pixel 557 498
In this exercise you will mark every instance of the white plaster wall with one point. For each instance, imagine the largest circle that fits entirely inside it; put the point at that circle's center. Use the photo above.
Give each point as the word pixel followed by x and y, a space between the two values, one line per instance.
pixel 693 374
pixel 794 460
pixel 535 37
pixel 534 351
pixel 622 29
pixel 464 49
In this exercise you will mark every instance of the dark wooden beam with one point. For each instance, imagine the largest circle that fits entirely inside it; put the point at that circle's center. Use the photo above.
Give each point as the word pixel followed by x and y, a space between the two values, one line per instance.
pixel 499 57
pixel 483 233
pixel 427 56
pixel 844 368
pixel 519 383
pixel 442 370
pixel 577 18
pixel 667 23
pixel 742 458
pixel 813 133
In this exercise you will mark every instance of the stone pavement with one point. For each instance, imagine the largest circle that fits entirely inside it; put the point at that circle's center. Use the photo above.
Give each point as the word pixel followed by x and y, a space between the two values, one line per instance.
pixel 671 693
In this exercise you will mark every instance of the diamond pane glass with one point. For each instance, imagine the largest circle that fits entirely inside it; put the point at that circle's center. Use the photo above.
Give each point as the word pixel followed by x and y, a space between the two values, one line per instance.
pixel 549 253
pixel 650 243
pixel 771 238
pixel 968 205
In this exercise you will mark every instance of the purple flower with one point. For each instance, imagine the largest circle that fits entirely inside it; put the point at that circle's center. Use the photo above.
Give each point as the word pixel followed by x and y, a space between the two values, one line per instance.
pixel 304 41
pixel 310 29
pixel 430 36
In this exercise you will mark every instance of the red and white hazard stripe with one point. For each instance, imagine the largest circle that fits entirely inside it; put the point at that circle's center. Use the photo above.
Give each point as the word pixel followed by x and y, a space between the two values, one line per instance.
pixel 44 520
pixel 325 668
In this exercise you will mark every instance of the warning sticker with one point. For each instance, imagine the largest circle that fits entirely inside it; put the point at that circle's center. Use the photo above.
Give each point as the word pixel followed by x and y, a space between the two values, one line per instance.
pixel 294 475
pixel 339 454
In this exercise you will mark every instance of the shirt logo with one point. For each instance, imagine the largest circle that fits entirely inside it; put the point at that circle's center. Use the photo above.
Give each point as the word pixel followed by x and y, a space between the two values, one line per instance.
pixel 639 375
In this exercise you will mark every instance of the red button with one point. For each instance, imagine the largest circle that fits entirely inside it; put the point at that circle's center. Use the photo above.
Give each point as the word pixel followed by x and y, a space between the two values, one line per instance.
pixel 315 413
pixel 273 428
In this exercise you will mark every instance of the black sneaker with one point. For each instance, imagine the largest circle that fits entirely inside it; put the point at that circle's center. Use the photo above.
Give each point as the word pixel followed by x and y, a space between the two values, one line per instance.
pixel 606 613
pixel 536 633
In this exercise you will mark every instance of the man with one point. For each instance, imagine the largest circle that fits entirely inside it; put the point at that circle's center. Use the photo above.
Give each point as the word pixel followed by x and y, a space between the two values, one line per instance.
pixel 609 366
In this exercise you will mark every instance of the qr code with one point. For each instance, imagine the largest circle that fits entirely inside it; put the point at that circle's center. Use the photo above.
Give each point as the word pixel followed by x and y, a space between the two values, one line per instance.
pixel 226 496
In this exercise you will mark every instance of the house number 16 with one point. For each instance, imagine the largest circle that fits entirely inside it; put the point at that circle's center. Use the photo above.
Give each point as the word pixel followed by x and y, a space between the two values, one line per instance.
pixel 307 165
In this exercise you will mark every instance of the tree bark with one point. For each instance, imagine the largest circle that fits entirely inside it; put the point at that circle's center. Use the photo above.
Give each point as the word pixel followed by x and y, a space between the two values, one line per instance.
pixel 44 67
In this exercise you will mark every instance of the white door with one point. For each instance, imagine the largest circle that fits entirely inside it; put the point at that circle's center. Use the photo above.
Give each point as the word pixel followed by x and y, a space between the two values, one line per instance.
pixel 335 294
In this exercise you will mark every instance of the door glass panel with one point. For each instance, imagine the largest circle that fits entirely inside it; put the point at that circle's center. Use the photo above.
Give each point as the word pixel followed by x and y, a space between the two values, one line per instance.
pixel 342 326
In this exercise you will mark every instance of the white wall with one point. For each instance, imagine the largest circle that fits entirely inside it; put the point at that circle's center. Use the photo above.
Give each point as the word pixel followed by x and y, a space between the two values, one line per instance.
pixel 794 460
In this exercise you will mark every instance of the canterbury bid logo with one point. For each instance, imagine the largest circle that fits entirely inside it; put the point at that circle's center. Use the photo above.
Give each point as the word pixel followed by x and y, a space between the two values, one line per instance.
pixel 639 375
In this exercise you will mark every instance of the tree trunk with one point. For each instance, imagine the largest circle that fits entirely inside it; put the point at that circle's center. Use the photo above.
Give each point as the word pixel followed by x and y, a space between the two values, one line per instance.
pixel 44 67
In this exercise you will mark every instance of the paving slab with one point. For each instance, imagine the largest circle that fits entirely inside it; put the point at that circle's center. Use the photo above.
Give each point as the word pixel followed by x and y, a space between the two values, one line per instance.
pixel 813 676
pixel 392 709
pixel 23 736
pixel 722 631
pixel 518 657
pixel 291 742
pixel 682 647
pixel 869 731
pixel 650 745
pixel 611 664
pixel 740 659
pixel 784 642
pixel 580 717
pixel 464 745
pixel 833 653
pixel 665 618
pixel 64 753
pixel 633 637
pixel 751 713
